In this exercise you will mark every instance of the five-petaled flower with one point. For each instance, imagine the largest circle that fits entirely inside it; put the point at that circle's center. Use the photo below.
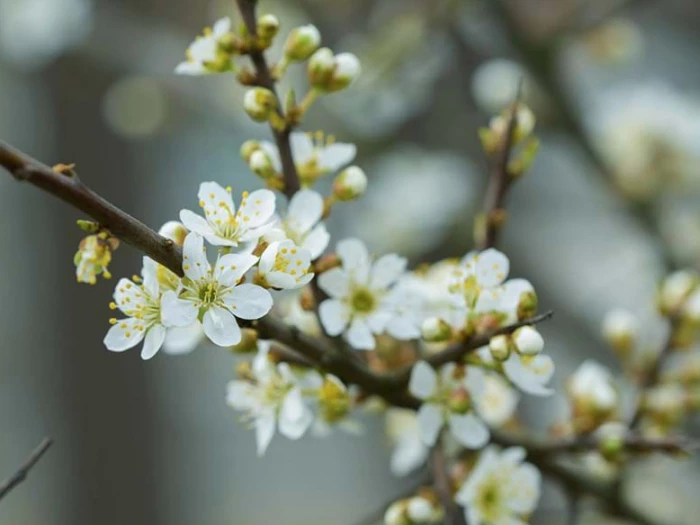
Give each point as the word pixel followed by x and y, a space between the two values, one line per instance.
pixel 210 52
pixel 148 313
pixel 448 398
pixel 222 225
pixel 216 293
pixel 501 489
pixel 271 397
pixel 361 303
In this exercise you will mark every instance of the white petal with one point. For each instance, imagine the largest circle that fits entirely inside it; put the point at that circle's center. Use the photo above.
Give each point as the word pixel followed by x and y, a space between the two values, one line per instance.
pixel 230 268
pixel 353 254
pixel 334 316
pixel 295 417
pixel 378 320
pixel 196 223
pixel 273 153
pixel 532 377
pixel 336 155
pixel 221 327
pixel 264 430
pixel 403 328
pixel 153 341
pixel 430 422
pixel 491 268
pixel 175 311
pixel 249 301
pixel 526 484
pixel 317 241
pixel 215 200
pixel 386 270
pixel 221 27
pixel 469 430
pixel 194 258
pixel 123 335
pixel 128 296
pixel 268 257
pixel 183 340
pixel 149 272
pixel 302 147
pixel 423 381
pixel 335 283
pixel 258 208
pixel 360 336
pixel 253 234
pixel 305 210
pixel 282 281
pixel 409 455
pixel 191 68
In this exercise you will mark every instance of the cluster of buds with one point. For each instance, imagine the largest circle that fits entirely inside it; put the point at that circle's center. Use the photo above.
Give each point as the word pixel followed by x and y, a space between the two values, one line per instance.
pixel 94 253
pixel 417 510
pixel 526 341
pixel 593 397
pixel 495 137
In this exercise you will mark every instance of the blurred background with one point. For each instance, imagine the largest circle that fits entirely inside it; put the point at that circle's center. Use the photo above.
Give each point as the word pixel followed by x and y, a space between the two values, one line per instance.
pixel 609 207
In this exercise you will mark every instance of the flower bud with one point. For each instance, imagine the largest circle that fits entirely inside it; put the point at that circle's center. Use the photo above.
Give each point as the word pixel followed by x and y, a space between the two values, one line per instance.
pixel 330 72
pixel 435 330
pixel 675 289
pixel 301 43
pixel 261 165
pixel 620 330
pixel 268 25
pixel 611 440
pixel 347 69
pixel 528 341
pixel 500 347
pixel 333 399
pixel 259 103
pixel 248 344
pixel 420 510
pixel 87 226
pixel 396 514
pixel 175 231
pixel 691 308
pixel 593 396
pixel 350 184
pixel 527 306
pixel 321 66
pixel 248 148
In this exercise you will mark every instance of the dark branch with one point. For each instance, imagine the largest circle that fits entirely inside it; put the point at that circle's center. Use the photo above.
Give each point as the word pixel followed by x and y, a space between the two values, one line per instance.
pixel 453 513
pixel 22 473
pixel 264 79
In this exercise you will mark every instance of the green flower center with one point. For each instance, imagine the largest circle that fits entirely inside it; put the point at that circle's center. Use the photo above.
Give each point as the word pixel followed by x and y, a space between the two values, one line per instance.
pixel 362 300
pixel 489 500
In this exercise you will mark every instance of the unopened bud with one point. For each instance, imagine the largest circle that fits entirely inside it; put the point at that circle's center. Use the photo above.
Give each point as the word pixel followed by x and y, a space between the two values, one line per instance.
pixel 675 289
pixel 175 231
pixel 347 69
pixel 87 226
pixel 268 25
pixel 500 347
pixel 248 148
pixel 420 510
pixel 261 165
pixel 259 103
pixel 620 330
pixel 321 66
pixel 691 308
pixel 350 184
pixel 248 344
pixel 611 440
pixel 396 514
pixel 330 72
pixel 528 341
pixel 527 306
pixel 435 330
pixel 301 43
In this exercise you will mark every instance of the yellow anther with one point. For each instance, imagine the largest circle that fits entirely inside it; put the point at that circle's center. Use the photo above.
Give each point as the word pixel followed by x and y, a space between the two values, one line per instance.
pixel 245 194
pixel 229 189
pixel 284 250
pixel 128 334
pixel 233 267
pixel 186 267
pixel 212 196
pixel 136 278
pixel 246 218
pixel 128 286
pixel 294 250
pixel 112 305
pixel 202 204
pixel 113 320
pixel 299 263
pixel 257 201
pixel 293 272
pixel 123 325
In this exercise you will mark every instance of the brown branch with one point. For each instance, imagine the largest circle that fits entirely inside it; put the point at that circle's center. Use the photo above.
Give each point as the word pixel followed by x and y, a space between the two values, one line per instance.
pixel 265 79
pixel 454 515
pixel 22 473
pixel 500 180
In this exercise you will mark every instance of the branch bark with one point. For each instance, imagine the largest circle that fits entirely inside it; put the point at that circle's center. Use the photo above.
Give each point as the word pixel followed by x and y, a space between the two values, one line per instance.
pixel 22 473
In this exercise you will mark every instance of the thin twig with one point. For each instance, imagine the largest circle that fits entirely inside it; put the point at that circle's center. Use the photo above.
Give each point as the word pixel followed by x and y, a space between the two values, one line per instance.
pixel 264 79
pixel 453 513
pixel 499 180
pixel 22 473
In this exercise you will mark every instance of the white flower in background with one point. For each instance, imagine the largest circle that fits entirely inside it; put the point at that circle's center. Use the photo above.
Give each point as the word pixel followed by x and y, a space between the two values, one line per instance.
pixel 479 277
pixel 410 453
pixel 216 292
pixel 183 340
pixel 206 54
pixel 413 511
pixel 501 489
pixel 620 329
pixel 273 399
pixel 648 135
pixel 498 401
pixel 314 155
pixel 34 32
pixel 448 398
pixel 591 385
pixel 222 225
pixel 495 85
pixel 360 303
pixel 283 265
pixel 148 313
pixel 302 223
pixel 333 404
pixel 676 289
pixel 530 374
pixel 293 314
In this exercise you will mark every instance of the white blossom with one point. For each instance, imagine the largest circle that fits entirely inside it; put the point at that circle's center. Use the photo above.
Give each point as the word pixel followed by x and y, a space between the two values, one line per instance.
pixel 478 279
pixel 222 225
pixel 448 399
pixel 528 341
pixel 216 293
pixel 501 489
pixel 497 402
pixel 360 303
pixel 302 223
pixel 529 374
pixel 148 313
pixel 283 265
pixel 273 400
pixel 592 384
pixel 204 55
